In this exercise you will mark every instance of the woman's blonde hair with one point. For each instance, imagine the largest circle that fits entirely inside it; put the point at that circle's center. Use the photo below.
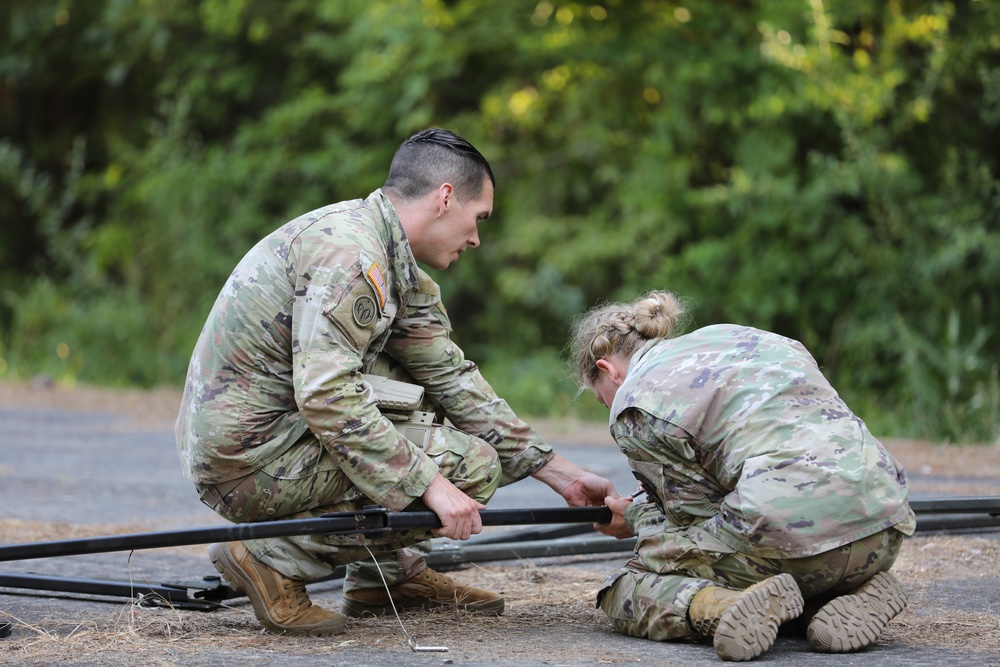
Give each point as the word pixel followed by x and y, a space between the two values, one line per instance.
pixel 619 329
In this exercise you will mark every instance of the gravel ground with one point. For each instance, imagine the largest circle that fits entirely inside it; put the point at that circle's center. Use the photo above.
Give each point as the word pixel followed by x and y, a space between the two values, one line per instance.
pixel 81 461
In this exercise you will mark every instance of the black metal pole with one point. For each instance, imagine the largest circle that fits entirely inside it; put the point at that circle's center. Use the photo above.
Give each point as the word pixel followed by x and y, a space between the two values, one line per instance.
pixel 368 522
pixel 376 521
pixel 511 517
pixel 176 538
pixel 932 514
pixel 957 505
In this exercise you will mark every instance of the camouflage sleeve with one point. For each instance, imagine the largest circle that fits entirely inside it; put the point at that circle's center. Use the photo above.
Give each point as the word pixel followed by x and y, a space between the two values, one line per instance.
pixel 668 465
pixel 340 408
pixel 421 341
pixel 643 518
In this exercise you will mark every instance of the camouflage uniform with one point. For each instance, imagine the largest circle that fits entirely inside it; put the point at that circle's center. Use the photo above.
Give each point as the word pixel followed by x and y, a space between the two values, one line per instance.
pixel 753 466
pixel 276 421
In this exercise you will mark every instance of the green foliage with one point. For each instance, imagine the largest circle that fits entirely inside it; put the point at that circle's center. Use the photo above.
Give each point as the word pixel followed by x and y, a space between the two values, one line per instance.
pixel 955 383
pixel 826 171
pixel 516 377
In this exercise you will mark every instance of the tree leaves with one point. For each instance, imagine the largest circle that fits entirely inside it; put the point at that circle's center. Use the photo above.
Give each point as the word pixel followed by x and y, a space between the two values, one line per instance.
pixel 825 171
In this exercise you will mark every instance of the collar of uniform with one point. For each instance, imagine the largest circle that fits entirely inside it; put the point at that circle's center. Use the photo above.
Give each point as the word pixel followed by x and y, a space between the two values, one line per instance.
pixel 641 352
pixel 404 265
pixel 621 401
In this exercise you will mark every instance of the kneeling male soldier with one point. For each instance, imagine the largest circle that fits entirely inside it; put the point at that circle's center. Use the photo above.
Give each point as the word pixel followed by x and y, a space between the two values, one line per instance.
pixel 278 421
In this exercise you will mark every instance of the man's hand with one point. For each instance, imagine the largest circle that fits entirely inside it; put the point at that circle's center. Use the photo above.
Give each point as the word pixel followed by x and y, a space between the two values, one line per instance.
pixel 579 488
pixel 458 513
pixel 616 528
pixel 587 490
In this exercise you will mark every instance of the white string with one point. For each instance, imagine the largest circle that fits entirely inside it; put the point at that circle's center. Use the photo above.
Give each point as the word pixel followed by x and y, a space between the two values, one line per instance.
pixel 410 640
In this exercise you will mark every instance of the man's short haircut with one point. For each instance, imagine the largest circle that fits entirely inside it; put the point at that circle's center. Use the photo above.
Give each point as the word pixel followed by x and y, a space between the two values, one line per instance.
pixel 435 156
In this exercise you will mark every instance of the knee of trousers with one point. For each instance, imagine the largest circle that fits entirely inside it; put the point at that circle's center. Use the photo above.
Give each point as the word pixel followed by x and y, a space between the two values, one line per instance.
pixel 647 605
pixel 481 472
pixel 466 461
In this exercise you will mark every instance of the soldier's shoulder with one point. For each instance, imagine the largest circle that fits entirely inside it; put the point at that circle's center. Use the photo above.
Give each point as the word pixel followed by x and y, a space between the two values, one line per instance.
pixel 331 219
pixel 345 227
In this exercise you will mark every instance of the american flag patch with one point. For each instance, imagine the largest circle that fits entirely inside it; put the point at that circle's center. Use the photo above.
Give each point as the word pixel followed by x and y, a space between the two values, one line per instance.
pixel 377 280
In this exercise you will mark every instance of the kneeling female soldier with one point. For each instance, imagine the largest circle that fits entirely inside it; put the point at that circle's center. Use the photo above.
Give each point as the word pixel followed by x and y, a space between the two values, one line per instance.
pixel 768 499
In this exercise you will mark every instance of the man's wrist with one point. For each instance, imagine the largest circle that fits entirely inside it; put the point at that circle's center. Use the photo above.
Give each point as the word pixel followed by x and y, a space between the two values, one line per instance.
pixel 559 473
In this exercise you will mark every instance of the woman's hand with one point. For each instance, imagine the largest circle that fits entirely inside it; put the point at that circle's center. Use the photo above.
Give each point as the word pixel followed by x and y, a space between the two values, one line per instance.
pixel 616 528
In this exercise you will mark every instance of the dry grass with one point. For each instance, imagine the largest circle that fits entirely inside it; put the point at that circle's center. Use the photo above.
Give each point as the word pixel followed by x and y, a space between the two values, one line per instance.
pixel 537 597
pixel 930 621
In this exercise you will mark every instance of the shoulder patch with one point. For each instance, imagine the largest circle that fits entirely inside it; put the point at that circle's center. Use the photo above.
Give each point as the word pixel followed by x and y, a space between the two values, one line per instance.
pixel 377 280
pixel 356 311
pixel 364 310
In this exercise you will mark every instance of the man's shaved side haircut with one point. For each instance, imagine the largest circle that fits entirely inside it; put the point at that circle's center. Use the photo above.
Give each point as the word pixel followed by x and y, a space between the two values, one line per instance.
pixel 436 156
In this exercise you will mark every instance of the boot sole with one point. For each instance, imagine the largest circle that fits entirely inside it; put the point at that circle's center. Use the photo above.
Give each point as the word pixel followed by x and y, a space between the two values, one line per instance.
pixel 226 565
pixel 749 625
pixel 357 608
pixel 852 622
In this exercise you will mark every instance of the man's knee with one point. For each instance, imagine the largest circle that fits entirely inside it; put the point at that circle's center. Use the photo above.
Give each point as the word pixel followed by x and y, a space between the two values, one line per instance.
pixel 480 470
pixel 232 500
pixel 466 461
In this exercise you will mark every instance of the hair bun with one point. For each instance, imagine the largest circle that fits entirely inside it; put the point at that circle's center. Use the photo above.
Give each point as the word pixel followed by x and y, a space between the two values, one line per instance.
pixel 657 314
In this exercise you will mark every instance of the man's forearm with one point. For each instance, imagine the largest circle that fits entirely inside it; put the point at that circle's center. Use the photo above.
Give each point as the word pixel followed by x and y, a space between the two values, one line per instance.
pixel 559 473
pixel 576 485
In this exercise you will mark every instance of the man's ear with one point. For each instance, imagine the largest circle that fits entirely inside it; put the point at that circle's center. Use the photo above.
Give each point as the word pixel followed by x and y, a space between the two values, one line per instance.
pixel 445 195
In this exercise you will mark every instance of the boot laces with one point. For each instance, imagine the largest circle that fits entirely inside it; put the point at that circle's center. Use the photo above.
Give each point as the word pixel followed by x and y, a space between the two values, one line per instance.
pixel 705 627
pixel 295 594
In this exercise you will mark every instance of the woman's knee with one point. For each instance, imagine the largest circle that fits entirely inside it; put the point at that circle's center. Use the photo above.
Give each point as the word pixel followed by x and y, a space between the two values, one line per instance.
pixel 643 604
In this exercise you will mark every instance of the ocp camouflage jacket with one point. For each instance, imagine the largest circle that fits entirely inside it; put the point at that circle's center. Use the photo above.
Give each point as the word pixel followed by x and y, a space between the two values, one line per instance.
pixel 736 430
pixel 304 313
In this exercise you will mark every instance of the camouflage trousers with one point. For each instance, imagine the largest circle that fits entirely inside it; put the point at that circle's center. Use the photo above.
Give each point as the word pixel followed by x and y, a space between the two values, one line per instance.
pixel 306 482
pixel 650 595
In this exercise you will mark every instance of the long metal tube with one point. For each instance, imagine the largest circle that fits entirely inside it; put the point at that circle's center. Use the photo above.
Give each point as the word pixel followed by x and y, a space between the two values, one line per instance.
pixel 932 514
pixel 370 522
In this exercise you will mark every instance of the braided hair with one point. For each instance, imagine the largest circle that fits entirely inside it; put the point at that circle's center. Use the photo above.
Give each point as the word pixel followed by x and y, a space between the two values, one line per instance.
pixel 619 329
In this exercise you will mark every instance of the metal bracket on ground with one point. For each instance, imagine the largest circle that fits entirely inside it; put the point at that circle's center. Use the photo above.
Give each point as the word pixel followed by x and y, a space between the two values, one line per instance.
pixel 206 595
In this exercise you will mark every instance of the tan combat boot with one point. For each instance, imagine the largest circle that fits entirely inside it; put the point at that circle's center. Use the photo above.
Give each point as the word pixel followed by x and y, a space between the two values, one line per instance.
pixel 743 624
pixel 852 622
pixel 426 589
pixel 280 604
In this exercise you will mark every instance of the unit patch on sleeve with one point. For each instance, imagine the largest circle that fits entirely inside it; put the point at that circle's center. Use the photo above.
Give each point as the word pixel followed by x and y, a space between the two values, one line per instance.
pixel 364 310
pixel 355 310
pixel 377 280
